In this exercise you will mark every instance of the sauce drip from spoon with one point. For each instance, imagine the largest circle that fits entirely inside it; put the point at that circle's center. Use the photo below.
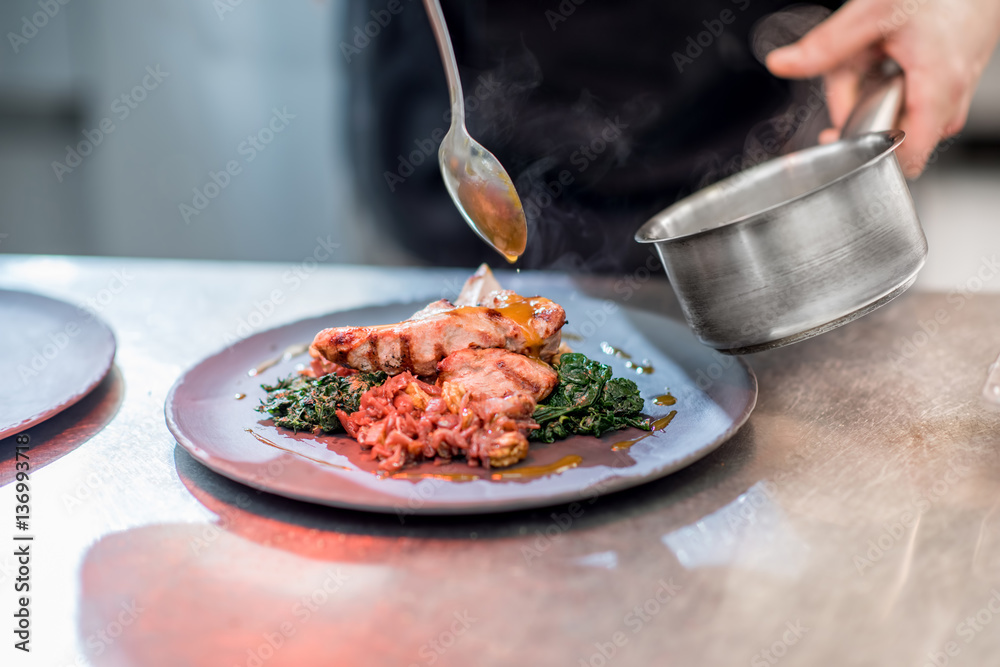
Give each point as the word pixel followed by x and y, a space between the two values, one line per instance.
pixel 498 215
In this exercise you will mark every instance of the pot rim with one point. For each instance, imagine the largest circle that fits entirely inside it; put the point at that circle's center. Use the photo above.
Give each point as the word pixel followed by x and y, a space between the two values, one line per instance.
pixel 641 236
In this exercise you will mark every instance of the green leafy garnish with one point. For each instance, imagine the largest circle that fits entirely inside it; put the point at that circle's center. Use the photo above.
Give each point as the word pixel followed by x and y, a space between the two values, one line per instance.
pixel 303 403
pixel 587 401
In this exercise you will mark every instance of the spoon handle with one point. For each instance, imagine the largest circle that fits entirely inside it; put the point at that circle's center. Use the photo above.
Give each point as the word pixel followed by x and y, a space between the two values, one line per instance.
pixel 436 16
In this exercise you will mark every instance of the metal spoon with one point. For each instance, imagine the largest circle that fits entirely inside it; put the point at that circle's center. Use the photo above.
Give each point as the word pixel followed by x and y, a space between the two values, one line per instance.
pixel 476 181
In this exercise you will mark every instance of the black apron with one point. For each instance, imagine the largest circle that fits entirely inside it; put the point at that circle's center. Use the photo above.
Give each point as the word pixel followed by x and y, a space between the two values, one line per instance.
pixel 603 113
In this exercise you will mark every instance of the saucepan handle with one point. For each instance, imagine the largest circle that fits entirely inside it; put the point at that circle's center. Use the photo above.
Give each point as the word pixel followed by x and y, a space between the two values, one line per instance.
pixel 880 101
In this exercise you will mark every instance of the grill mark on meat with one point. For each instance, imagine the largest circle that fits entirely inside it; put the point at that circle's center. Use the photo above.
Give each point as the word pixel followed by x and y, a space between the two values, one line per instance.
pixel 372 351
pixel 514 377
pixel 525 326
pixel 404 350
pixel 496 373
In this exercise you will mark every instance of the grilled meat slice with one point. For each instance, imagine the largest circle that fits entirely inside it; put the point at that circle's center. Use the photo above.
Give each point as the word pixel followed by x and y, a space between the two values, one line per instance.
pixel 542 316
pixel 497 373
pixel 506 320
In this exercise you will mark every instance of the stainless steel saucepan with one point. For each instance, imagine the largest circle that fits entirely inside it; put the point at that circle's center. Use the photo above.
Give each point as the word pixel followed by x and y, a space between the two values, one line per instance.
pixel 801 244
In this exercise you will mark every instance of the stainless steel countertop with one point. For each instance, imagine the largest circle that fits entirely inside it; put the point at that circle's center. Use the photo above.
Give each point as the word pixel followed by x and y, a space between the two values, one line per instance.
pixel 854 520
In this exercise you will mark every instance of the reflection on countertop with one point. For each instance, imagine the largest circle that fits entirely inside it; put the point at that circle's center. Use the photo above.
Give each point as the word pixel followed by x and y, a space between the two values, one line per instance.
pixel 857 507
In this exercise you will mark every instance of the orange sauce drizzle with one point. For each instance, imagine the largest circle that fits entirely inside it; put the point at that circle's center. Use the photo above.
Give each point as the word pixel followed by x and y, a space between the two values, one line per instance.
pixel 530 472
pixel 665 399
pixel 520 310
pixel 445 476
pixel 658 425
pixel 527 472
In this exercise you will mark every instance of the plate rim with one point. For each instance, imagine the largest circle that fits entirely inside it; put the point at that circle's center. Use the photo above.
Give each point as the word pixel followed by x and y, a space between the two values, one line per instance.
pixel 98 377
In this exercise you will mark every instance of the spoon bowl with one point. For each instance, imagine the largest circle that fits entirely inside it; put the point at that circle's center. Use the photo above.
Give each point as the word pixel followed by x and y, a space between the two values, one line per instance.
pixel 478 184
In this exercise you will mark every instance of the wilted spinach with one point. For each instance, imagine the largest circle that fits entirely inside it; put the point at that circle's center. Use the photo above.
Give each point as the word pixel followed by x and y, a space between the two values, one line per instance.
pixel 303 403
pixel 588 401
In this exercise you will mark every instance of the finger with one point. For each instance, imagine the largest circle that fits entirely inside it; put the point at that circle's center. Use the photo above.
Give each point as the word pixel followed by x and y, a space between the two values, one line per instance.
pixel 961 115
pixel 841 93
pixel 829 135
pixel 847 32
pixel 927 114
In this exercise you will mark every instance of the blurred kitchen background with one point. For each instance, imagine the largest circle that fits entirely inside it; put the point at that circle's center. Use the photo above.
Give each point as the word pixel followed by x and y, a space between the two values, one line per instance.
pixel 227 67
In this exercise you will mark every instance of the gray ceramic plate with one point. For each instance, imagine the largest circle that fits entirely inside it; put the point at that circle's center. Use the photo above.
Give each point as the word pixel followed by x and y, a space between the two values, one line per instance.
pixel 714 397
pixel 52 354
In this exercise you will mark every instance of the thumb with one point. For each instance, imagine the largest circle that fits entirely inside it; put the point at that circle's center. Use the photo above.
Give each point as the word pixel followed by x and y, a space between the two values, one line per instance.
pixel 846 33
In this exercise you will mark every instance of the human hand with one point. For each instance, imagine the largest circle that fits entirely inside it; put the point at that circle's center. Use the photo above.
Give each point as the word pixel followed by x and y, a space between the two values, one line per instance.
pixel 941 45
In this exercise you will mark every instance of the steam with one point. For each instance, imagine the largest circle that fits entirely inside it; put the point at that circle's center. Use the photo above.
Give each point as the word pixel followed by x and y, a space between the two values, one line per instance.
pixel 512 81
pixel 573 149
pixel 795 127
pixel 784 27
